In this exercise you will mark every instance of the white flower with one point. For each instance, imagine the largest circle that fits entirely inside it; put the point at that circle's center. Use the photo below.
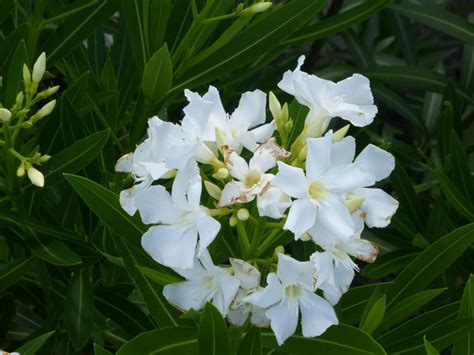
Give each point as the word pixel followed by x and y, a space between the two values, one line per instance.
pixel 319 193
pixel 204 283
pixel 334 267
pixel 289 292
pixel 273 203
pixel 180 220
pixel 351 99
pixel 147 163
pixel 249 278
pixel 36 177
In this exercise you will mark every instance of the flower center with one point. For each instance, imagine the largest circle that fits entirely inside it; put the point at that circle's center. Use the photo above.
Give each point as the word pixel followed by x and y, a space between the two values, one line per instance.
pixel 293 291
pixel 316 190
pixel 252 178
pixel 207 283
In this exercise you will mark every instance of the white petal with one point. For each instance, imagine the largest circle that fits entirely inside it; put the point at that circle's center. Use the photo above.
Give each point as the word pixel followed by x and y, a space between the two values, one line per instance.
pixel 187 181
pixel 273 293
pixel 248 275
pixel 172 246
pixel 378 207
pixel 229 285
pixel 231 194
pixel 155 206
pixel 273 203
pixel 251 109
pixel 127 200
pixel 294 83
pixel 258 318
pixel 291 271
pixel 239 316
pixel 362 249
pixel 284 319
pixel 186 295
pixel 343 277
pixel 376 161
pixel 343 152
pixel 301 217
pixel 124 164
pixel 336 218
pixel 208 228
pixel 344 178
pixel 156 170
pixel 197 114
pixel 262 163
pixel 245 139
pixel 317 315
pixel 319 156
pixel 290 180
pixel 237 166
pixel 264 132
pixel 178 155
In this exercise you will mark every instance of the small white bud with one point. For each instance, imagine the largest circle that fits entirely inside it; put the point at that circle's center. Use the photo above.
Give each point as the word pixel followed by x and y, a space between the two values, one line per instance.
pixel 340 133
pixel 46 109
pixel 44 158
pixel 243 214
pixel 39 68
pixel 223 173
pixel 233 221
pixel 49 91
pixel 26 76
pixel 5 115
pixel 213 190
pixel 258 7
pixel 36 177
pixel 274 105
pixel 305 237
pixel 20 171
pixel 279 250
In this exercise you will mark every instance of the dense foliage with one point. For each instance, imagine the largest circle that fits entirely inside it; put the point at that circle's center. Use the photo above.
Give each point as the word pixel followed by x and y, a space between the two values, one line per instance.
pixel 73 275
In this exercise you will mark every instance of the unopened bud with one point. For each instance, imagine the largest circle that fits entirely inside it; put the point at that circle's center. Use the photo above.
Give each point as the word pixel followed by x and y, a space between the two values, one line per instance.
pixel 44 158
pixel 305 237
pixel 243 214
pixel 213 190
pixel 46 109
pixel 19 100
pixel 26 76
pixel 303 153
pixel 223 173
pixel 20 171
pixel 279 250
pixel 233 221
pixel 340 133
pixel 48 92
pixel 36 177
pixel 274 105
pixel 39 68
pixel 5 115
pixel 220 139
pixel 256 8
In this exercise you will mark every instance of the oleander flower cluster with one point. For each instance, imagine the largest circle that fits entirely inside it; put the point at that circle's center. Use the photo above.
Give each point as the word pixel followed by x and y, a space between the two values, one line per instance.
pixel 240 183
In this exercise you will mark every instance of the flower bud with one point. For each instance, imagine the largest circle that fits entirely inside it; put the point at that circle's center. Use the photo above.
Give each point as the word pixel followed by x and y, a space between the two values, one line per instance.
pixel 233 221
pixel 39 68
pixel 243 214
pixel 340 133
pixel 256 8
pixel 305 237
pixel 48 92
pixel 19 100
pixel 223 173
pixel 213 190
pixel 20 171
pixel 279 250
pixel 274 105
pixel 36 177
pixel 5 115
pixel 44 158
pixel 45 110
pixel 26 76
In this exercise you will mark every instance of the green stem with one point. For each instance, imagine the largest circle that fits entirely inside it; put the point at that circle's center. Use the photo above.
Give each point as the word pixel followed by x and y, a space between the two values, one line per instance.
pixel 219 18
pixel 268 241
pixel 243 239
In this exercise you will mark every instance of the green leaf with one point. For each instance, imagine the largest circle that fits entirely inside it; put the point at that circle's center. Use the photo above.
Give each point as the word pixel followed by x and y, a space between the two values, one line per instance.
pixel 6 6
pixel 466 344
pixel 337 340
pixel 105 204
pixel 388 264
pixel 438 19
pixel 123 312
pixel 251 344
pixel 339 22
pixel 213 336
pixel 79 309
pixel 440 337
pixel 14 75
pixel 372 319
pixel 408 306
pixel 70 33
pixel 75 157
pixel 461 170
pixel 416 327
pixel 161 278
pixel 11 272
pixel 33 346
pixel 254 41
pixel 51 250
pixel 158 75
pixel 456 199
pixel 430 349
pixel 171 340
pixel 99 350
pixel 429 264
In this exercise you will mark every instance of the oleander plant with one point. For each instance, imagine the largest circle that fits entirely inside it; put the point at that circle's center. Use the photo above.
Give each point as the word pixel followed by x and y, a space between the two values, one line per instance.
pixel 222 177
